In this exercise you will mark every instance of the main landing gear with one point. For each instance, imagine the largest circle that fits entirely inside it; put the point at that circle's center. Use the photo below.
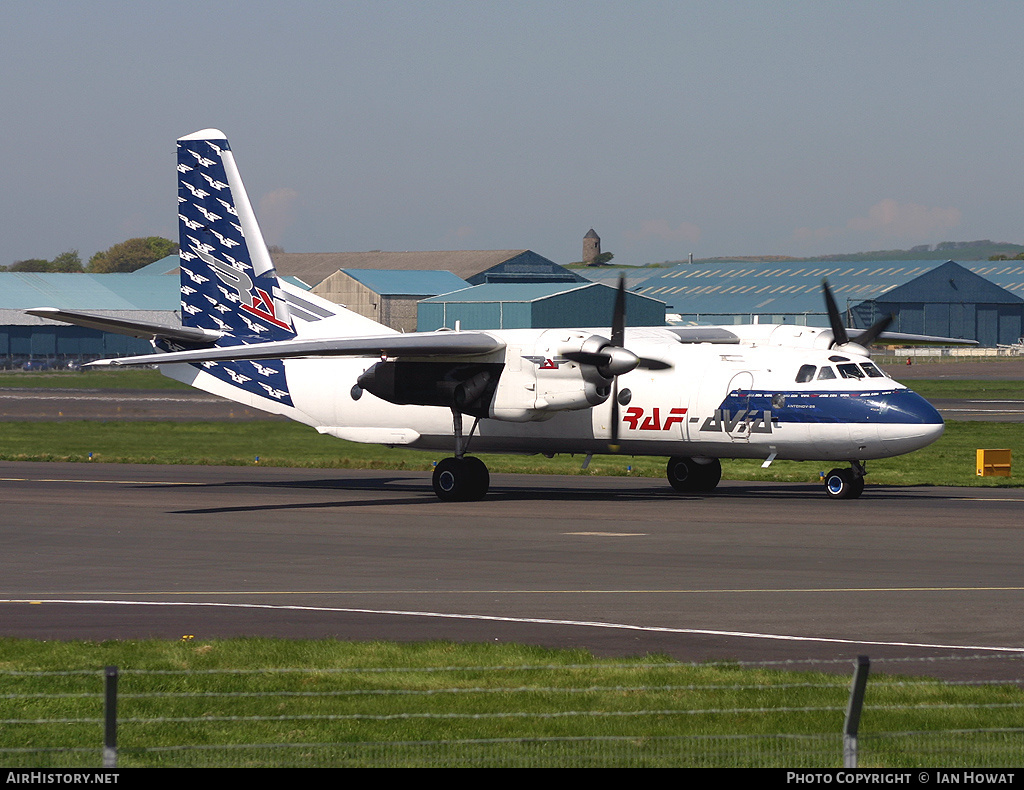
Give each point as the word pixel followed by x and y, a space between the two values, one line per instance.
pixel 846 483
pixel 689 475
pixel 462 478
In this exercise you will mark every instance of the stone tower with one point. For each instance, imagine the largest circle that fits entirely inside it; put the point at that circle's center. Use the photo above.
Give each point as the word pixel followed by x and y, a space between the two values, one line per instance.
pixel 591 247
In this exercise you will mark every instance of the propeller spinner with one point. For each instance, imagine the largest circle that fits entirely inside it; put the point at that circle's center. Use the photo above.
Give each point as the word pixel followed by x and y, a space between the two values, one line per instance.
pixel 613 360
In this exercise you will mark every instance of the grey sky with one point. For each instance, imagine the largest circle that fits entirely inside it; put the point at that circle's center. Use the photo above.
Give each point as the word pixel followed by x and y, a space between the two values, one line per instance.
pixel 717 128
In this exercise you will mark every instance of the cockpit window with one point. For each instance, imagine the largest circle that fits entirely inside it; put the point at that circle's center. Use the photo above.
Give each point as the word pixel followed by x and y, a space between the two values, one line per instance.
pixel 872 371
pixel 805 374
pixel 850 371
pixel 826 373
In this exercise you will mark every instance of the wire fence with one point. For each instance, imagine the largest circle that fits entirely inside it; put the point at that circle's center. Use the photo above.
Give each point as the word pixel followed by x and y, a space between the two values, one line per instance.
pixel 602 714
pixel 948 353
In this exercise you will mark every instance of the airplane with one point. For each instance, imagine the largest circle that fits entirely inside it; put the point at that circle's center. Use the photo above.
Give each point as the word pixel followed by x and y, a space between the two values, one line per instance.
pixel 694 394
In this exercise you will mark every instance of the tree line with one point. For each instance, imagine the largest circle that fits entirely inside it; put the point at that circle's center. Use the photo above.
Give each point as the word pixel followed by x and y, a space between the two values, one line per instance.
pixel 126 256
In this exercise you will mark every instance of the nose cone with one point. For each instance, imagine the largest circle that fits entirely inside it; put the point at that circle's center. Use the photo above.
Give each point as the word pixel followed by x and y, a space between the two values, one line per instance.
pixel 909 407
pixel 910 422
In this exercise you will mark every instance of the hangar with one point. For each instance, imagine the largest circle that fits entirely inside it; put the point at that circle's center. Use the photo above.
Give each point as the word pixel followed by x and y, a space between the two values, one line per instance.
pixel 526 305
pixel 384 286
pixel 980 302
pixel 949 301
pixel 144 295
pixel 25 337
pixel 474 266
pixel 387 296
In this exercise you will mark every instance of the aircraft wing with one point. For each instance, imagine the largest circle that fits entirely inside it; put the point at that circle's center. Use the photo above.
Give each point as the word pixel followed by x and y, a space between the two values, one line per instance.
pixel 716 334
pixel 433 344
pixel 930 340
pixel 703 334
pixel 121 326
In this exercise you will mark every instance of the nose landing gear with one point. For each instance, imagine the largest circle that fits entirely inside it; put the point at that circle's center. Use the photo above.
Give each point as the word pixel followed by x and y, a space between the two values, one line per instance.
pixel 845 483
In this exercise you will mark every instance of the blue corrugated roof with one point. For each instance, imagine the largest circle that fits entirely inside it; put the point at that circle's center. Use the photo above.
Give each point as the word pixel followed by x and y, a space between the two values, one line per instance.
pixel 1008 275
pixel 790 288
pixel 166 265
pixel 22 290
pixel 407 281
pixel 951 283
pixel 508 292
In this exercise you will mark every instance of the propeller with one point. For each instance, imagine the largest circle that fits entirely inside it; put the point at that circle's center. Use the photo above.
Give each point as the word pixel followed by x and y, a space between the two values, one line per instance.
pixel 613 360
pixel 841 340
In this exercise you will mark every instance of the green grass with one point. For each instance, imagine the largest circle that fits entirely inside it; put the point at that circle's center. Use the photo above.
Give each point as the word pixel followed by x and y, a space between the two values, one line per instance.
pixel 971 390
pixel 90 379
pixel 950 461
pixel 203 693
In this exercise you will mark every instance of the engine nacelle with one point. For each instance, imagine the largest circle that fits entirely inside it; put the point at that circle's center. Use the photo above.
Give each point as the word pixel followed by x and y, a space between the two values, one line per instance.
pixel 539 381
pixel 786 335
pixel 466 386
pixel 534 382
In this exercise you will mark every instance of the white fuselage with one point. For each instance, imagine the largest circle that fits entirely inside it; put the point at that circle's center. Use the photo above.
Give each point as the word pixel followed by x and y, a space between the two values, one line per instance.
pixel 740 400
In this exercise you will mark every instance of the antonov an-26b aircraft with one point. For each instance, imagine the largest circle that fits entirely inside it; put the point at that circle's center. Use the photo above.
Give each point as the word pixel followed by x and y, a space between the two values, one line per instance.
pixel 694 394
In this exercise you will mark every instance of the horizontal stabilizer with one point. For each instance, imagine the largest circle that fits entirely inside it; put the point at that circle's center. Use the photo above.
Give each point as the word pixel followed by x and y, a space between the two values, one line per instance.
pixel 434 344
pixel 144 329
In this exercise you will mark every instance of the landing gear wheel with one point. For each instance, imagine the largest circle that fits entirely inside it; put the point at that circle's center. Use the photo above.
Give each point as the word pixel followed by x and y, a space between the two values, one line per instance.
pixel 461 479
pixel 686 475
pixel 843 484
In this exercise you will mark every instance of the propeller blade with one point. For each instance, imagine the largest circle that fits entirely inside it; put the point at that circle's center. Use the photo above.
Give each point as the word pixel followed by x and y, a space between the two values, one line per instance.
pixel 835 319
pixel 614 360
pixel 613 445
pixel 623 365
pixel 619 315
pixel 595 358
pixel 869 335
pixel 611 361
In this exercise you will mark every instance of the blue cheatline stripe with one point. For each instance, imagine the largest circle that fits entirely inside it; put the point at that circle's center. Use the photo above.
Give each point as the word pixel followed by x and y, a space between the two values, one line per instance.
pixel 893 406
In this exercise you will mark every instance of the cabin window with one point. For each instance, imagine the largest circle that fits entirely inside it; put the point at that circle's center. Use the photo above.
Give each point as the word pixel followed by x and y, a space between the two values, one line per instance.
pixel 872 371
pixel 805 374
pixel 850 371
pixel 826 373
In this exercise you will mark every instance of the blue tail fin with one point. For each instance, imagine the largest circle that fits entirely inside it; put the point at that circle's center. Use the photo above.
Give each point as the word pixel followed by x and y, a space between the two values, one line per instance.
pixel 228 282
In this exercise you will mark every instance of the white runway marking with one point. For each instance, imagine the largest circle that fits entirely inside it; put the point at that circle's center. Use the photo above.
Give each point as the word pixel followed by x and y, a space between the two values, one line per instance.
pixel 536 621
pixel 94 481
pixel 135 398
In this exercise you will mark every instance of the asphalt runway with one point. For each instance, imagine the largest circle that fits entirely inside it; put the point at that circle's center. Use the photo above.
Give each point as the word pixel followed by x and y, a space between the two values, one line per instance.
pixel 618 566
pixel 958 369
pixel 59 405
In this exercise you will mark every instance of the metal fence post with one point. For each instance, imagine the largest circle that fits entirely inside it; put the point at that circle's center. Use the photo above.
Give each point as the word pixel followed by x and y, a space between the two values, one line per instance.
pixel 853 710
pixel 110 718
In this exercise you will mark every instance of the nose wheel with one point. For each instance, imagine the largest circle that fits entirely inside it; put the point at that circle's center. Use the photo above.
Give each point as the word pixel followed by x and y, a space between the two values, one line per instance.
pixel 845 483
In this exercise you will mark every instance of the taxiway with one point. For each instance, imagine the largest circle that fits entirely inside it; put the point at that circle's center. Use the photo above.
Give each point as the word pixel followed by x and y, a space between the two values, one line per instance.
pixel 619 566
